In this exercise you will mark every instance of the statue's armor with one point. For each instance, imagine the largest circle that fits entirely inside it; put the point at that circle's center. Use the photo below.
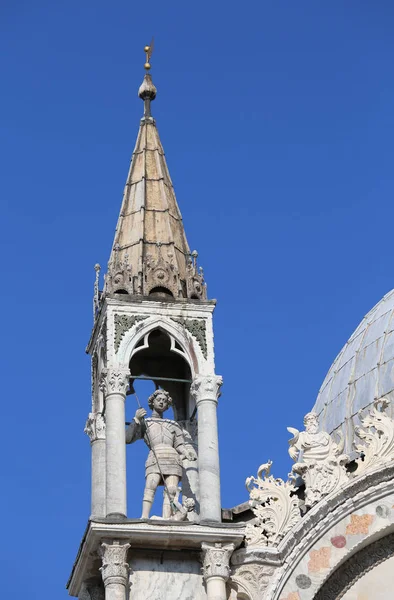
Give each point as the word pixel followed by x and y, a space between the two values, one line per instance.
pixel 166 437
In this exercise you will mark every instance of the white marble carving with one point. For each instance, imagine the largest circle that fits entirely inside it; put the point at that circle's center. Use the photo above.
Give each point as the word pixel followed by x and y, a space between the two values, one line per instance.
pixel 321 462
pixel 95 427
pixel 115 380
pixel 115 569
pixel 377 434
pixel 216 560
pixel 275 508
pixel 206 387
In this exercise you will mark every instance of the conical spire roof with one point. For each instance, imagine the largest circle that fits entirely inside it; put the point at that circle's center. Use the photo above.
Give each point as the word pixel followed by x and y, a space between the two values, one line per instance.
pixel 150 255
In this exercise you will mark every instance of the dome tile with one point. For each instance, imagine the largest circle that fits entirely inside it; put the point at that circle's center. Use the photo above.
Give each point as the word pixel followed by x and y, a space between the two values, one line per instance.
pixel 367 358
pixel 364 391
pixel 350 349
pixel 386 379
pixel 388 348
pixel 375 329
pixel 341 379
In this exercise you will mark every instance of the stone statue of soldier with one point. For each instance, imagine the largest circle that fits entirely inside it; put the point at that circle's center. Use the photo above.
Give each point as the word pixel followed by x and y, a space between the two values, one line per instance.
pixel 165 440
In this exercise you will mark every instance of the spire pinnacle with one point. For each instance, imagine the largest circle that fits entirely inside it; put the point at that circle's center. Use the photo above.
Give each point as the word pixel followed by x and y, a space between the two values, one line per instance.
pixel 147 90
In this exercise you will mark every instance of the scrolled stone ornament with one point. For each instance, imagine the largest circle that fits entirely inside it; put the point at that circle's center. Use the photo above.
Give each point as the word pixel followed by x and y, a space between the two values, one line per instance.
pixel 321 462
pixel 275 508
pixel 377 434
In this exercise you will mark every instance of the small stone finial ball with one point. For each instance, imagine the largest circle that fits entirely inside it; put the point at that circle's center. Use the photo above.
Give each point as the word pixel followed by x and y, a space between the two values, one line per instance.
pixel 195 253
pixel 147 66
pixel 97 267
pixel 147 48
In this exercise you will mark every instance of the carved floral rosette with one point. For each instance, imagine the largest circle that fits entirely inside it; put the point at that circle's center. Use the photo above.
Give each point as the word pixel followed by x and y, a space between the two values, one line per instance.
pixel 115 569
pixel 95 427
pixel 216 560
pixel 377 434
pixel 275 507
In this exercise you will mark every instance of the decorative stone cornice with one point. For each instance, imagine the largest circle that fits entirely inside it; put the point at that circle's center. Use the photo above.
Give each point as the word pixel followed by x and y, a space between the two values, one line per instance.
pixel 122 324
pixel 275 506
pixel 197 327
pixel 115 380
pixel 95 427
pixel 206 388
pixel 115 569
pixel 216 560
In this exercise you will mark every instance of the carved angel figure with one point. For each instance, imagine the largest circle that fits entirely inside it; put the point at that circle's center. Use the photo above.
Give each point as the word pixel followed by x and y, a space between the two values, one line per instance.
pixel 321 462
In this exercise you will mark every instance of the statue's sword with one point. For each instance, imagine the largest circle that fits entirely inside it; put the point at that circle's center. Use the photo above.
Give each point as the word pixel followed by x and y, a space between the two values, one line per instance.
pixel 145 429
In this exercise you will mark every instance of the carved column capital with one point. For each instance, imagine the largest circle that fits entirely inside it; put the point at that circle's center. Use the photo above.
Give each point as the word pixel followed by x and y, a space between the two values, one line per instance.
pixel 115 569
pixel 115 380
pixel 206 387
pixel 95 427
pixel 216 560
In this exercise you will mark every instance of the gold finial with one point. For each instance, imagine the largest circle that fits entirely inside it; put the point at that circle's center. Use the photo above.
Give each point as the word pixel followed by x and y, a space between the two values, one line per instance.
pixel 148 51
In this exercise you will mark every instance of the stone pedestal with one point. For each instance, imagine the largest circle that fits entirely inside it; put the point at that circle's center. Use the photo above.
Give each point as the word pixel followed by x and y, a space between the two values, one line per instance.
pixel 95 429
pixel 114 384
pixel 205 390
pixel 216 569
pixel 115 570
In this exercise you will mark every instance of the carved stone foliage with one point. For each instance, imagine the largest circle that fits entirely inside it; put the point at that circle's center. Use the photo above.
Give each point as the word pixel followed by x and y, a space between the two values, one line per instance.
pixel 206 387
pixel 216 560
pixel 115 568
pixel 115 380
pixel 122 324
pixel 343 578
pixel 252 578
pixel 197 327
pixel 377 435
pixel 321 462
pixel 275 508
pixel 95 427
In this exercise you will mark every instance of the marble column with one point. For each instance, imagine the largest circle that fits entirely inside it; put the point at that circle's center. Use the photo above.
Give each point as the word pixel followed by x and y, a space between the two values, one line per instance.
pixel 205 390
pixel 95 429
pixel 115 570
pixel 216 569
pixel 114 384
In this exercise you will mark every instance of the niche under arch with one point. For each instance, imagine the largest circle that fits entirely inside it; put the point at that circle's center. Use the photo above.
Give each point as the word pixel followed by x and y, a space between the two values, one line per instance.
pixel 160 358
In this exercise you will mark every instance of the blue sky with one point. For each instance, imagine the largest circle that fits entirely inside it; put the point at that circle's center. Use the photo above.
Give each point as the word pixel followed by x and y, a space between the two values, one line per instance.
pixel 277 120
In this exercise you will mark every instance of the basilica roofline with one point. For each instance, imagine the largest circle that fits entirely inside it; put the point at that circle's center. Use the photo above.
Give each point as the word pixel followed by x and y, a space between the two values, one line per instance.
pixel 147 534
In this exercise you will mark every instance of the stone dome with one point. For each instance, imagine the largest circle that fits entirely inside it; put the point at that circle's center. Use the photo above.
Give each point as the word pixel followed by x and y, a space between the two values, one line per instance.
pixel 362 372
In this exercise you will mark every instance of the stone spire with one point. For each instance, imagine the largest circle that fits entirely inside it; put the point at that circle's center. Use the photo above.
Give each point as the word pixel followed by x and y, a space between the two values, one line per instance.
pixel 150 255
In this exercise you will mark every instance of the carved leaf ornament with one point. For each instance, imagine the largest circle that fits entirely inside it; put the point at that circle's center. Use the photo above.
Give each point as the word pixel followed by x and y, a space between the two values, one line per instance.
pixel 122 324
pixel 197 328
pixel 275 508
pixel 377 434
